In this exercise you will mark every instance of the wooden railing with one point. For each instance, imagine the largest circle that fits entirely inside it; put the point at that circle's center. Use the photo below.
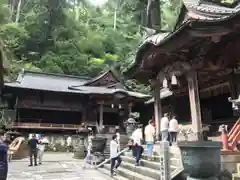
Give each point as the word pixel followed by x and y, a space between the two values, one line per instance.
pixel 45 126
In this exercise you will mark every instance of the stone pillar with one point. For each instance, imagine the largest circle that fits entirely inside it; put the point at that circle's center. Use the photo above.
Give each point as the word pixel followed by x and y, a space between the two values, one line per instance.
pixel 194 101
pixel 157 109
pixel 164 161
pixel 101 115
pixel 130 108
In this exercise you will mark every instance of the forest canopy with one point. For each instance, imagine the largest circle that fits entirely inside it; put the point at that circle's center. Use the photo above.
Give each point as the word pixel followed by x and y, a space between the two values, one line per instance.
pixel 77 37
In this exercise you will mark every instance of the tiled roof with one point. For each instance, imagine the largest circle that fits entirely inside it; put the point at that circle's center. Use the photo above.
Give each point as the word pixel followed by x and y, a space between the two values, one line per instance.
pixel 107 91
pixel 164 93
pixel 64 83
pixel 46 81
pixel 205 12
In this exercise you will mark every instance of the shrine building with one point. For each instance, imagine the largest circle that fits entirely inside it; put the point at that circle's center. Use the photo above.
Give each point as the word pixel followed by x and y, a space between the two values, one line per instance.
pixel 40 102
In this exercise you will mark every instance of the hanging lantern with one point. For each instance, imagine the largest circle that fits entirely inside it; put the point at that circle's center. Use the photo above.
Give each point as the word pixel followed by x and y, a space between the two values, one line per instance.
pixel 119 106
pixel 112 105
pixel 174 80
pixel 165 83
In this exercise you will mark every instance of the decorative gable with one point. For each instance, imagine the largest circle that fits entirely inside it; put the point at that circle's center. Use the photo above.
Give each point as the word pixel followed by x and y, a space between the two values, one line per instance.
pixel 106 79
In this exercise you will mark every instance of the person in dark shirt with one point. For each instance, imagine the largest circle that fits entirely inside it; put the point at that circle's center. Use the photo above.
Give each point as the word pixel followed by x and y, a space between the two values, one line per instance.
pixel 3 158
pixel 33 142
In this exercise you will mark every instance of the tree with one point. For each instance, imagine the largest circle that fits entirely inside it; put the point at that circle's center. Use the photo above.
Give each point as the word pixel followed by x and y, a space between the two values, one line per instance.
pixel 77 37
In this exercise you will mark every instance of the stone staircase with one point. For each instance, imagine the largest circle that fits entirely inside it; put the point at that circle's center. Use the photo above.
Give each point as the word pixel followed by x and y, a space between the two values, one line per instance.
pixel 149 170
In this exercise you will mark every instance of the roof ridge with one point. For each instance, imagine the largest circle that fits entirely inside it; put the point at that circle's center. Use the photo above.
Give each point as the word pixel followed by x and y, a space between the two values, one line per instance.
pixel 101 76
pixel 57 74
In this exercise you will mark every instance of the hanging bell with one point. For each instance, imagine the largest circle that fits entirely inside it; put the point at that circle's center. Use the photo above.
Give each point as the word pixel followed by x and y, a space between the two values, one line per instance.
pixel 112 105
pixel 165 83
pixel 119 106
pixel 174 80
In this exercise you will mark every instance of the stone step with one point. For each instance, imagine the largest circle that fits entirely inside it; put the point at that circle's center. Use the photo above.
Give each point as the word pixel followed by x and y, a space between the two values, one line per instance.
pixel 174 159
pixel 145 163
pixel 145 171
pixel 130 174
pixel 175 165
pixel 107 172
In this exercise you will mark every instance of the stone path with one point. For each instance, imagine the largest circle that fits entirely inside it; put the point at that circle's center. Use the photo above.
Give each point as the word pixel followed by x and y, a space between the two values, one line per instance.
pixel 55 167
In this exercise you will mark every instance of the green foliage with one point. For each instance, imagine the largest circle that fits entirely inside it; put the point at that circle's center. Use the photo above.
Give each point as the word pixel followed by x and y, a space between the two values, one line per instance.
pixel 76 37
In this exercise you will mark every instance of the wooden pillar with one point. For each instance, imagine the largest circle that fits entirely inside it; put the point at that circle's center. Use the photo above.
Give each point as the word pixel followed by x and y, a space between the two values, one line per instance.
pixel 157 109
pixel 129 108
pixel 195 104
pixel 101 115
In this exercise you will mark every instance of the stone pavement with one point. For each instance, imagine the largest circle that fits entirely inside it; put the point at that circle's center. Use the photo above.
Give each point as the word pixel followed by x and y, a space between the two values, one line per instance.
pixel 56 166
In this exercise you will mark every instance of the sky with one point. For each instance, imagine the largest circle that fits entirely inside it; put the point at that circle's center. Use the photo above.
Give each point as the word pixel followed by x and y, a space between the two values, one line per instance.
pixel 98 2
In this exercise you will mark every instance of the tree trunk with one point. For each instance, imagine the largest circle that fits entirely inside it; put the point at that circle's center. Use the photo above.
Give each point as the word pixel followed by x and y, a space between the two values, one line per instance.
pixel 156 19
pixel 149 9
pixel 18 11
pixel 154 14
pixel 1 69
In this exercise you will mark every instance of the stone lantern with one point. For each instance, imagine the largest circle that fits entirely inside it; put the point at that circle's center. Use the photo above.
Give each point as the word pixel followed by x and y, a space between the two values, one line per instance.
pixel 130 125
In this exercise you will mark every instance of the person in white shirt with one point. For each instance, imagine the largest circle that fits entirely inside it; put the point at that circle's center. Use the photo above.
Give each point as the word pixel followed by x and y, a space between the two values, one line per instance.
pixel 118 138
pixel 114 150
pixel 41 148
pixel 173 129
pixel 137 138
pixel 164 127
pixel 69 143
pixel 149 133
pixel 88 158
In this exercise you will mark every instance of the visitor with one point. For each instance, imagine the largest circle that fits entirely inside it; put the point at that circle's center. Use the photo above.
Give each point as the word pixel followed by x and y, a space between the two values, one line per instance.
pixel 69 143
pixel 137 144
pixel 114 155
pixel 33 151
pixel 3 157
pixel 88 157
pixel 164 127
pixel 173 129
pixel 41 148
pixel 7 141
pixel 118 137
pixel 149 133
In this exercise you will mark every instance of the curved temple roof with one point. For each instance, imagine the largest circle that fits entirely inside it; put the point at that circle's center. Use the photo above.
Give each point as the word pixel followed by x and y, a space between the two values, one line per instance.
pixel 72 84
pixel 197 15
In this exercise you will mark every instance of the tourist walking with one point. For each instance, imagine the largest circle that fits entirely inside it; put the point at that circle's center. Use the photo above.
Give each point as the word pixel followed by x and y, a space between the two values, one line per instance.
pixel 149 133
pixel 89 158
pixel 3 157
pixel 114 155
pixel 164 127
pixel 41 149
pixel 118 138
pixel 33 150
pixel 173 129
pixel 69 143
pixel 137 143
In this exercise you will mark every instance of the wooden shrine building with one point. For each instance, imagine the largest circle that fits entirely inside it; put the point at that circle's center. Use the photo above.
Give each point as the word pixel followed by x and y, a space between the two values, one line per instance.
pixel 202 56
pixel 53 102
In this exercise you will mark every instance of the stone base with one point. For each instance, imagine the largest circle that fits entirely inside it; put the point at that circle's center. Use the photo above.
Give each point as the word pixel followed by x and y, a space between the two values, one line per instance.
pixel 210 178
pixel 79 153
pixel 98 158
